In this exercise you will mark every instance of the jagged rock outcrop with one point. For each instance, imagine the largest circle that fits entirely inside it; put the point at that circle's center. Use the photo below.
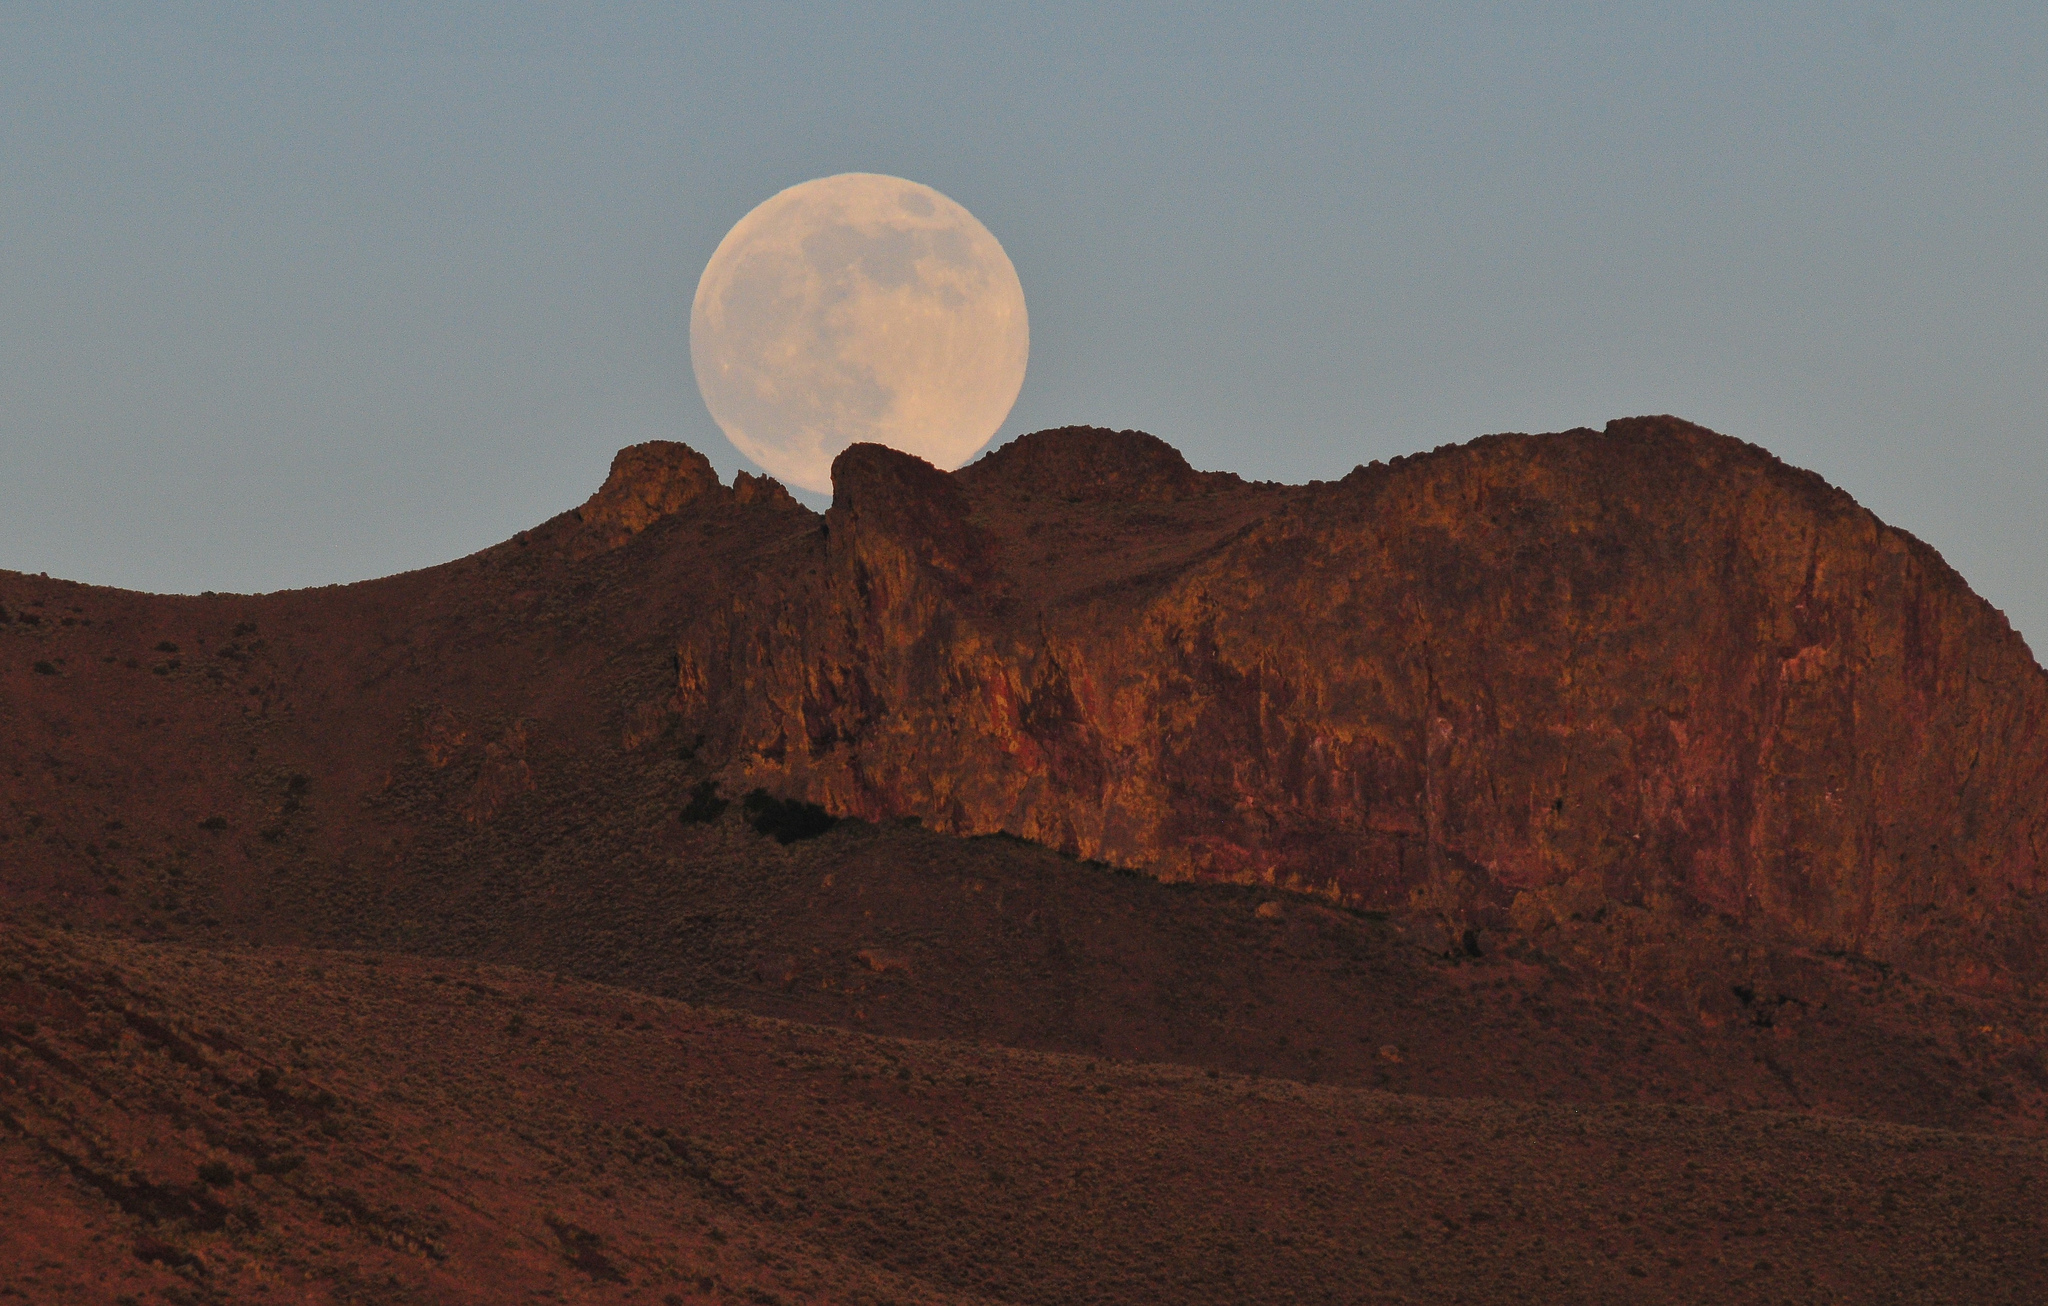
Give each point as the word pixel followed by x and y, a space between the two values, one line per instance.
pixel 1088 462
pixel 1503 683
pixel 1659 752
pixel 1651 661
pixel 647 482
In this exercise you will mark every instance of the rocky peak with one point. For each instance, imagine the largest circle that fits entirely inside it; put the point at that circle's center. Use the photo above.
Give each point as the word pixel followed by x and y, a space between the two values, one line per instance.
pixel 886 502
pixel 764 490
pixel 1650 661
pixel 648 482
pixel 1092 463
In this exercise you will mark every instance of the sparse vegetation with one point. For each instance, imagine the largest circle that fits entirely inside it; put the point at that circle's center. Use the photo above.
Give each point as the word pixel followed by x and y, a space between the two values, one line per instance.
pixel 691 1151
pixel 584 1250
pixel 787 820
pixel 1177 1092
pixel 705 805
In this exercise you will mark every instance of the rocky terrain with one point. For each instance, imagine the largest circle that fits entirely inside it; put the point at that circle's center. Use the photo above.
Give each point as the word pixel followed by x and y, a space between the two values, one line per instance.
pixel 1650 664
pixel 282 1125
pixel 1556 783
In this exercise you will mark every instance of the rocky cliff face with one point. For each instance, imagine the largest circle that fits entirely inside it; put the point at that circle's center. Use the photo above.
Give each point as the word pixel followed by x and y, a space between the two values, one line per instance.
pixel 1649 670
pixel 1504 681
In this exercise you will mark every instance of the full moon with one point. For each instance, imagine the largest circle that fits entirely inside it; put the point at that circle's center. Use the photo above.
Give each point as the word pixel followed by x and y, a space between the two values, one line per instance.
pixel 858 308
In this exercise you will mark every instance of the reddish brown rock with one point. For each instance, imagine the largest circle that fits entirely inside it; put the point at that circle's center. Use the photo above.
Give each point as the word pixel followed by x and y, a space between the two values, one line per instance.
pixel 647 482
pixel 1653 660
pixel 1650 665
pixel 1671 764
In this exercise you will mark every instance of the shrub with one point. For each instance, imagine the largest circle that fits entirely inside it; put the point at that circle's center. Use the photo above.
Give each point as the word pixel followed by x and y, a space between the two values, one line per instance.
pixel 704 805
pixel 217 1174
pixel 149 1249
pixel 787 819
pixel 166 646
pixel 214 823
pixel 583 1249
pixel 45 669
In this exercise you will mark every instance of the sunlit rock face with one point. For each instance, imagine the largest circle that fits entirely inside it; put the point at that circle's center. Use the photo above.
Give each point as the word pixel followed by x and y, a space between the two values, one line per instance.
pixel 1503 685
pixel 1652 662
pixel 647 482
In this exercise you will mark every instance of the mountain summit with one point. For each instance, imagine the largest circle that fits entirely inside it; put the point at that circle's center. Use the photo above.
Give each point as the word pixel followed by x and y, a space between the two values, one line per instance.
pixel 1159 887
pixel 1648 665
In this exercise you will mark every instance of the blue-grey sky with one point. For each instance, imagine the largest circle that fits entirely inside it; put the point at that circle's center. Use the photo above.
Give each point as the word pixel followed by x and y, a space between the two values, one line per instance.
pixel 300 294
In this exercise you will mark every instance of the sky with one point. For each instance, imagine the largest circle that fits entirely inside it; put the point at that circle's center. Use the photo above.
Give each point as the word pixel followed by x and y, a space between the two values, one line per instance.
pixel 304 294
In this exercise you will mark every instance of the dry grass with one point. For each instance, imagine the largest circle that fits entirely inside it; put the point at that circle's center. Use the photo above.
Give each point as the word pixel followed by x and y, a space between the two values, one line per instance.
pixel 1004 1075
pixel 402 1131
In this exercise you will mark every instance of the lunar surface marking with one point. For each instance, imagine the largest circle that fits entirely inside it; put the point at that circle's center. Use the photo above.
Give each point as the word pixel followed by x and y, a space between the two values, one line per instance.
pixel 852 308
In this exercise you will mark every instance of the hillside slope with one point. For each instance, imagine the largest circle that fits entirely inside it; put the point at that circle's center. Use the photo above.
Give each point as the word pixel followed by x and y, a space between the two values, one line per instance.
pixel 1651 666
pixel 199 1126
pixel 1498 875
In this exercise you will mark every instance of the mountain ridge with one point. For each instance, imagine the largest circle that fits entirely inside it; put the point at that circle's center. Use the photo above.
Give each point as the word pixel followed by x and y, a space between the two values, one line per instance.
pixel 1652 665
pixel 1856 612
pixel 1219 891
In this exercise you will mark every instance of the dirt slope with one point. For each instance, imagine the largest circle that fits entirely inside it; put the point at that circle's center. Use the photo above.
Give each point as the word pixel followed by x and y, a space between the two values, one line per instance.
pixel 200 1126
